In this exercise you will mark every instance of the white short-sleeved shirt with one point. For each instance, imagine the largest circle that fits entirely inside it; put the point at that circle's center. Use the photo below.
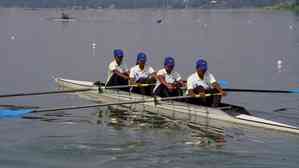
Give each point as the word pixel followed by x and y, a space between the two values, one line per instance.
pixel 114 66
pixel 136 73
pixel 194 81
pixel 169 78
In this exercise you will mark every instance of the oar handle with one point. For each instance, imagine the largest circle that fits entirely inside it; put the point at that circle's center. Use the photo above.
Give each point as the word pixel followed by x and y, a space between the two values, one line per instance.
pixel 127 86
pixel 186 97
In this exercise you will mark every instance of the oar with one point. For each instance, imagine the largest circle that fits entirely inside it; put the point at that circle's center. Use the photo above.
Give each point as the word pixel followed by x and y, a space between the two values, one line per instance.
pixel 223 83
pixel 44 92
pixel 11 113
pixel 261 91
pixel 69 91
pixel 12 106
pixel 126 86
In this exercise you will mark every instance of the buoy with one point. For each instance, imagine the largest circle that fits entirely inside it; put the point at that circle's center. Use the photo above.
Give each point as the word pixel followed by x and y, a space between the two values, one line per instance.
pixel 93 45
pixel 279 65
pixel 291 27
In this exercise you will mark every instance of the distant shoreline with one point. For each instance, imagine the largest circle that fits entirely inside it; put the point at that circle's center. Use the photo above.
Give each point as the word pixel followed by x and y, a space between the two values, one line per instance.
pixel 279 7
pixel 289 7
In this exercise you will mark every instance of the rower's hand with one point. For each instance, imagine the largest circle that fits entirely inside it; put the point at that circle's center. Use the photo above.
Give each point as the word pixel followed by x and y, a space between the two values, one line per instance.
pixel 170 87
pixel 202 94
pixel 223 93
pixel 192 94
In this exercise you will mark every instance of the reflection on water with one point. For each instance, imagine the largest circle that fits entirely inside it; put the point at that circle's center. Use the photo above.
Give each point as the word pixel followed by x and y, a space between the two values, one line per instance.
pixel 201 134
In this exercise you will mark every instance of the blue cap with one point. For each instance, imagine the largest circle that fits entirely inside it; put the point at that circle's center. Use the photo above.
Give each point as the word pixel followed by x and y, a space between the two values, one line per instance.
pixel 141 57
pixel 202 64
pixel 118 53
pixel 169 61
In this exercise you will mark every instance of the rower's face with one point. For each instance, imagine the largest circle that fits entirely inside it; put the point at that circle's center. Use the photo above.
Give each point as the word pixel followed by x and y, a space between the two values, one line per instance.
pixel 169 68
pixel 118 60
pixel 141 64
pixel 201 72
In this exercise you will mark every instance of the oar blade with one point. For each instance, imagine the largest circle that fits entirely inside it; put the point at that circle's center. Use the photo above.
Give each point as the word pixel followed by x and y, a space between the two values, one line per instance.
pixel 13 113
pixel 223 83
pixel 294 90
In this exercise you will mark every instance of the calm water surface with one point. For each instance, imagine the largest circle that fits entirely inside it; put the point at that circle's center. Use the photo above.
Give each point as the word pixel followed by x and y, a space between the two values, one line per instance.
pixel 241 46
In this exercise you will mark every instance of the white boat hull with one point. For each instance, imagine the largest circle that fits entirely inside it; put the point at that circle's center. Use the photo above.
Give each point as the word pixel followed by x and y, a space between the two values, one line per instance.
pixel 177 110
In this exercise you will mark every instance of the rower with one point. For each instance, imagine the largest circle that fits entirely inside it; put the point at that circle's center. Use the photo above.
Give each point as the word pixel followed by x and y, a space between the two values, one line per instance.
pixel 118 73
pixel 140 74
pixel 202 82
pixel 168 81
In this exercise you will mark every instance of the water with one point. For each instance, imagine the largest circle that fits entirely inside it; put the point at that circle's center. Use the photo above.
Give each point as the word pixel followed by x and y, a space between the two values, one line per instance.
pixel 241 46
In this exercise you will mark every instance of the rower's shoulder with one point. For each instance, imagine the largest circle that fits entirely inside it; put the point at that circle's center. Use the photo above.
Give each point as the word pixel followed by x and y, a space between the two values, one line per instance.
pixel 176 73
pixel 193 75
pixel 113 62
pixel 134 67
pixel 161 71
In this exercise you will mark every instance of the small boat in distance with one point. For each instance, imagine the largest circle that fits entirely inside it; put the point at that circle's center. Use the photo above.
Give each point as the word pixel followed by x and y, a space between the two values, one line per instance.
pixel 64 18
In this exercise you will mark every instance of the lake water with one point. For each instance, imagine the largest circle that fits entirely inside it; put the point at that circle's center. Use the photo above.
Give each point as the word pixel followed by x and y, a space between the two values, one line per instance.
pixel 241 46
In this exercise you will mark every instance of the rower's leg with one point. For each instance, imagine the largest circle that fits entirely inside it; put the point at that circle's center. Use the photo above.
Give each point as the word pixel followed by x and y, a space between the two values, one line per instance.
pixel 136 90
pixel 202 101
pixel 117 80
pixel 214 100
pixel 141 90
pixel 149 89
pixel 112 81
pixel 161 91
pixel 122 81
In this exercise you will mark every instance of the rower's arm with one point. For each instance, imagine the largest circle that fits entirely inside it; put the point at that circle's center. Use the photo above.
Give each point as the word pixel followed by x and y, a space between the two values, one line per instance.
pixel 153 76
pixel 218 88
pixel 162 80
pixel 191 92
pixel 123 75
pixel 183 83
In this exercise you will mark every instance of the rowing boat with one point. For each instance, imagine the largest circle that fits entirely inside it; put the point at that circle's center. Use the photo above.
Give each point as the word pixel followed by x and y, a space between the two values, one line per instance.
pixel 224 115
